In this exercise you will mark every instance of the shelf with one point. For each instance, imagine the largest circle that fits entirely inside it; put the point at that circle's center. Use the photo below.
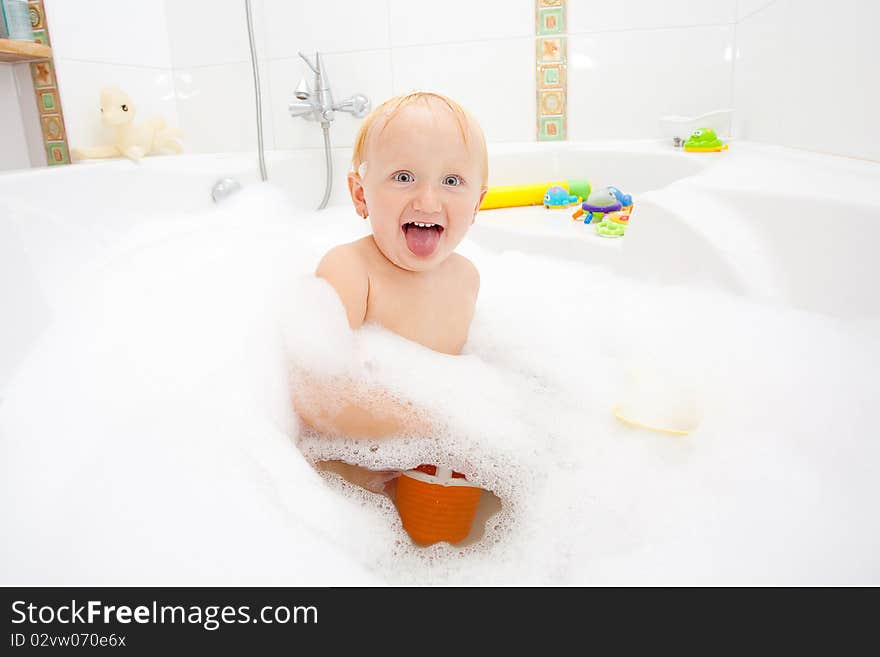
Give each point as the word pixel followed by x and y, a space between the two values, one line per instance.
pixel 12 50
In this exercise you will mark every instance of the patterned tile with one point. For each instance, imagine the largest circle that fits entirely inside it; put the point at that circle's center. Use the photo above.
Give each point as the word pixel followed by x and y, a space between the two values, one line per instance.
pixel 35 10
pixel 53 128
pixel 552 103
pixel 551 21
pixel 551 128
pixel 43 74
pixel 47 101
pixel 57 153
pixel 46 92
pixel 550 50
pixel 551 76
pixel 551 61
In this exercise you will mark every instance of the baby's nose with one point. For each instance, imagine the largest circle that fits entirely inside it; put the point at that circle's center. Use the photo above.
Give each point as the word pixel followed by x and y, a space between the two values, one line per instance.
pixel 427 200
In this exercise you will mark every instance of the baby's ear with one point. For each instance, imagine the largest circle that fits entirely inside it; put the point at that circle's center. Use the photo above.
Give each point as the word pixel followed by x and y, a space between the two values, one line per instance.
pixel 356 189
pixel 483 192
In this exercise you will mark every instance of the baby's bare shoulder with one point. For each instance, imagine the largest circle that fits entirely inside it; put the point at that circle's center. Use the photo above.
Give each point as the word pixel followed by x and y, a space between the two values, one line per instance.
pixel 464 271
pixel 347 258
pixel 345 268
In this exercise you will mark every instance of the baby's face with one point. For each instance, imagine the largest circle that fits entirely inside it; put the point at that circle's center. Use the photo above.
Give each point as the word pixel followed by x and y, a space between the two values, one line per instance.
pixel 420 171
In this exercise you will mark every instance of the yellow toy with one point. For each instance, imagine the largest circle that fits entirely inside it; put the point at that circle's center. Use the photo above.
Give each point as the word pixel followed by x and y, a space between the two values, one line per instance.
pixel 515 195
pixel 129 140
pixel 659 401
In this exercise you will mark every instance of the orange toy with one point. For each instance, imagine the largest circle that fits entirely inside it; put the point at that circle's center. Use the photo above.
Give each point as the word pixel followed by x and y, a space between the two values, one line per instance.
pixel 436 504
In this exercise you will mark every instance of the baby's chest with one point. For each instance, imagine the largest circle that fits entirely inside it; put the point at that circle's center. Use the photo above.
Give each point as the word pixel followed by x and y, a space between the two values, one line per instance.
pixel 436 316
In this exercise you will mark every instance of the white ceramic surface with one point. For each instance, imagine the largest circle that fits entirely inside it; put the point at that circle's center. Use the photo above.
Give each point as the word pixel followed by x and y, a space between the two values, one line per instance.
pixel 601 16
pixel 621 83
pixel 422 23
pixel 210 32
pixel 789 91
pixel 331 26
pixel 217 108
pixel 126 32
pixel 495 80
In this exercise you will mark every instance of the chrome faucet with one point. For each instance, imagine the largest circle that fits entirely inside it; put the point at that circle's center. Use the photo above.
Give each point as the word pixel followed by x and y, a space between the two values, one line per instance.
pixel 318 105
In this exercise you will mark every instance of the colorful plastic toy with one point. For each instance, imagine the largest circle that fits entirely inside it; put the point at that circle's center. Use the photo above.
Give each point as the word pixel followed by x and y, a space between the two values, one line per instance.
pixel 620 217
pixel 436 504
pixel 704 140
pixel 610 229
pixel 625 200
pixel 558 197
pixel 596 205
pixel 516 195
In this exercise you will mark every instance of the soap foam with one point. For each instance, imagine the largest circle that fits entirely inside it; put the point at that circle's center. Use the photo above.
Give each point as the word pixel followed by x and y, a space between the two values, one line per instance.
pixel 160 401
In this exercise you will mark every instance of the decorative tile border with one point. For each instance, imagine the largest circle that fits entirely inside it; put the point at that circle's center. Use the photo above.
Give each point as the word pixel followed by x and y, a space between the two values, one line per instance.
pixel 551 65
pixel 46 92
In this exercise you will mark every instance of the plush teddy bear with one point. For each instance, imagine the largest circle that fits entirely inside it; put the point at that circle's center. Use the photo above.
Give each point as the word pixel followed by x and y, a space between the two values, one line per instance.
pixel 132 141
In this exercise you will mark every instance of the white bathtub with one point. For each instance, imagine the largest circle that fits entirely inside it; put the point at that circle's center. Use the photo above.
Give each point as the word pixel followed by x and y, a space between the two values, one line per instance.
pixel 793 228
pixel 782 228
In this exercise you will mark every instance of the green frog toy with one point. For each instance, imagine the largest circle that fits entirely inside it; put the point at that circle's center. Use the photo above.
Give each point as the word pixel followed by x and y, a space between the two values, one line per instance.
pixel 704 140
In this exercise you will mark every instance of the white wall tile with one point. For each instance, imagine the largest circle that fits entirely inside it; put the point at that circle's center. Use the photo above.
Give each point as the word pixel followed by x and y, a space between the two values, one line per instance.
pixel 494 80
pixel 209 32
pixel 327 26
pixel 217 108
pixel 14 152
pixel 422 23
pixel 621 83
pixel 366 72
pixel 80 84
pixel 630 62
pixel 605 15
pixel 794 87
pixel 127 32
pixel 746 8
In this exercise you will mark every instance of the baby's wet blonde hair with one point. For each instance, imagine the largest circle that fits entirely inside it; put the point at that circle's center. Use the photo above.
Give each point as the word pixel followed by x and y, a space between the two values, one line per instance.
pixel 392 107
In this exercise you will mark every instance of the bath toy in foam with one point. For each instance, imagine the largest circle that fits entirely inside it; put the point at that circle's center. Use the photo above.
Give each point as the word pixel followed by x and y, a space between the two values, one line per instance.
pixel 436 504
pixel 516 195
pixel 558 197
pixel 130 140
pixel 659 401
pixel 704 140
pixel 596 205
pixel 610 229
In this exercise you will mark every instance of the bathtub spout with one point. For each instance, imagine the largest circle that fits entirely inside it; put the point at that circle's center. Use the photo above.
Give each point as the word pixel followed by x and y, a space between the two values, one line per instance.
pixel 224 188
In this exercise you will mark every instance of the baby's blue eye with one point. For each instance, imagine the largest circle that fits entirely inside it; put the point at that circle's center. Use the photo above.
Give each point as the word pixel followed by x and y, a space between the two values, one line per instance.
pixel 403 176
pixel 452 181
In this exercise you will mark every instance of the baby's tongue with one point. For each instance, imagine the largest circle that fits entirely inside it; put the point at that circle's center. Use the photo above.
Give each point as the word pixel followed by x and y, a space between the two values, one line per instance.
pixel 421 241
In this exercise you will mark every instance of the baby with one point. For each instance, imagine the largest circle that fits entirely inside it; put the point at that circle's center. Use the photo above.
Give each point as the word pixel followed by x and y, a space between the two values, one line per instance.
pixel 419 174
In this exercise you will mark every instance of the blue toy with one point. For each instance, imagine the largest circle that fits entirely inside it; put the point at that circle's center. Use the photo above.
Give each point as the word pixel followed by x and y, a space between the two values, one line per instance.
pixel 626 200
pixel 558 197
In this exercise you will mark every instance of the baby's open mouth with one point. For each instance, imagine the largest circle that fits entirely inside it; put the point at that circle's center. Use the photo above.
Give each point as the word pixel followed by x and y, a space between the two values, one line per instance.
pixel 422 237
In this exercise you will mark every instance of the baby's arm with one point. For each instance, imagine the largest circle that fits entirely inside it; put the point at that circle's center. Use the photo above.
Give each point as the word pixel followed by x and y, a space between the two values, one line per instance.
pixel 338 407
pixel 344 268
